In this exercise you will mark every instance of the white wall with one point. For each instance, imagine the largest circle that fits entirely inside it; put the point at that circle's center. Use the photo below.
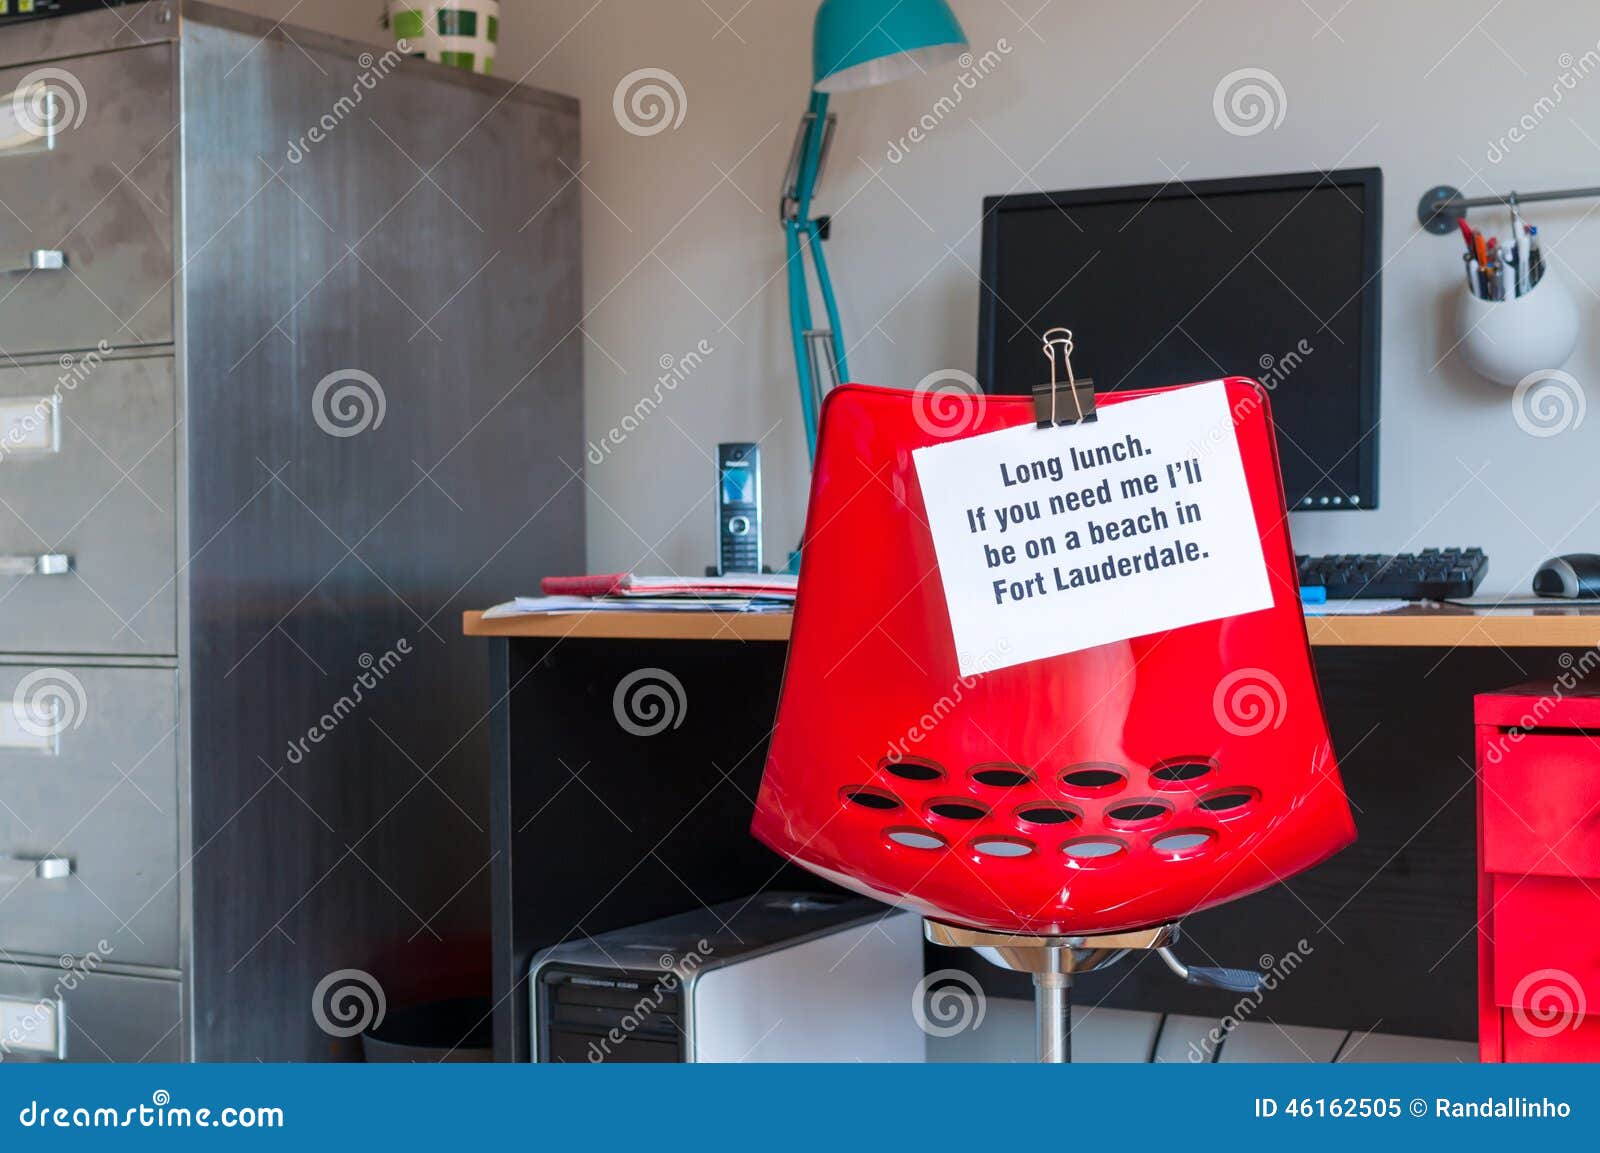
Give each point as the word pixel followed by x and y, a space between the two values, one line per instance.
pixel 682 241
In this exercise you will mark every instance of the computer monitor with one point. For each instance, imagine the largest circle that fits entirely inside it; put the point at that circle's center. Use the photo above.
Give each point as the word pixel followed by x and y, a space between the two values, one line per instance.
pixel 1271 277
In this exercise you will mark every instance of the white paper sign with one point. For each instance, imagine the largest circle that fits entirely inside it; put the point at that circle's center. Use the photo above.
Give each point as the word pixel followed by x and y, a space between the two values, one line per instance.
pixel 1055 540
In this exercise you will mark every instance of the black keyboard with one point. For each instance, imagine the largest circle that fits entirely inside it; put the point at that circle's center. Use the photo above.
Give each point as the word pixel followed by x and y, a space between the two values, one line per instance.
pixel 1432 574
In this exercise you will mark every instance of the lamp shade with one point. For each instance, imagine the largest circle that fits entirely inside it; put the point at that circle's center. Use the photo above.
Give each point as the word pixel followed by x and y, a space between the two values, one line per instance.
pixel 864 43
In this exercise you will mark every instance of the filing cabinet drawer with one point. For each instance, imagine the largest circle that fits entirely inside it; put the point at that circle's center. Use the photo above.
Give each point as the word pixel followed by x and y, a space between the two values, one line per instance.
pixel 86 160
pixel 88 524
pixel 1541 805
pixel 88 824
pixel 1546 943
pixel 83 1014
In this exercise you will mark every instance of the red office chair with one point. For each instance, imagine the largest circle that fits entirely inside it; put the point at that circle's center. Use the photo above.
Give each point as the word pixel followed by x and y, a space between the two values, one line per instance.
pixel 1053 814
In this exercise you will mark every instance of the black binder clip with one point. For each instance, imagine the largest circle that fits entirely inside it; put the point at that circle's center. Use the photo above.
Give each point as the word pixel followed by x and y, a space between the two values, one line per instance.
pixel 1062 401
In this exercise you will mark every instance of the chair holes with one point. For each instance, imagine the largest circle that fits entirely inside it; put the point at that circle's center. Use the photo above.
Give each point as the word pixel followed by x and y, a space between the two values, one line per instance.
pixel 958 809
pixel 1182 843
pixel 1002 846
pixel 1093 850
pixel 916 838
pixel 1093 778
pixel 912 770
pixel 1001 776
pixel 1048 815
pixel 1138 812
pixel 869 798
pixel 1228 801
pixel 1181 770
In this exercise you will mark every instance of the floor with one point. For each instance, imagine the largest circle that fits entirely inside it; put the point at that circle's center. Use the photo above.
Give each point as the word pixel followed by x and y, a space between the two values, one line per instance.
pixel 1004 1032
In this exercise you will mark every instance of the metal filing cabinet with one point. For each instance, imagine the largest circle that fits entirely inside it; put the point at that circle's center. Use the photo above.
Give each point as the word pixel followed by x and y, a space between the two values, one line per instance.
pixel 289 365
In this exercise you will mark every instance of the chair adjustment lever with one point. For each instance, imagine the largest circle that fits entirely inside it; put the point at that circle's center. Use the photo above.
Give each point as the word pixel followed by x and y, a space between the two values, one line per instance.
pixel 1214 977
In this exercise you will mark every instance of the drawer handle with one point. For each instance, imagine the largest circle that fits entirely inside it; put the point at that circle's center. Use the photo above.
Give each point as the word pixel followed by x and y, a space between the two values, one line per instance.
pixel 48 564
pixel 35 868
pixel 32 117
pixel 39 260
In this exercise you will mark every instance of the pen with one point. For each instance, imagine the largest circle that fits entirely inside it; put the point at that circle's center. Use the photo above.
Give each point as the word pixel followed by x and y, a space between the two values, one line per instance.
pixel 1519 237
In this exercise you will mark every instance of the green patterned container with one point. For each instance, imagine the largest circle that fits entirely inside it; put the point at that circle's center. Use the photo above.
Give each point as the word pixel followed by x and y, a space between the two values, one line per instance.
pixel 460 33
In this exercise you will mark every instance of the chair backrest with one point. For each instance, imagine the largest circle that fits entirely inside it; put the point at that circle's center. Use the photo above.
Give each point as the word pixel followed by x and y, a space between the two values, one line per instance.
pixel 1116 787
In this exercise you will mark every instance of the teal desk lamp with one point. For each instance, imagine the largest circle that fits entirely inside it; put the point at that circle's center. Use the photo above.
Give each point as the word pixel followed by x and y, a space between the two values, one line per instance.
pixel 857 44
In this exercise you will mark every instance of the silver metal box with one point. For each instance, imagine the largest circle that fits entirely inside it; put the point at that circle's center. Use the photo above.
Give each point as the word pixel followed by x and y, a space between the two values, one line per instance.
pixel 776 977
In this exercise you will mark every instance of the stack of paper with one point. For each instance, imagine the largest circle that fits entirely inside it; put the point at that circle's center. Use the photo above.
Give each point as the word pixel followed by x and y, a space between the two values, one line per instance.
pixel 1355 608
pixel 625 592
pixel 780 586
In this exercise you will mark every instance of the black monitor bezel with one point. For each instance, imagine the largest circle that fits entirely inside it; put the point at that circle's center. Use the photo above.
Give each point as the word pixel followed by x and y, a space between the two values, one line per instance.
pixel 1367 183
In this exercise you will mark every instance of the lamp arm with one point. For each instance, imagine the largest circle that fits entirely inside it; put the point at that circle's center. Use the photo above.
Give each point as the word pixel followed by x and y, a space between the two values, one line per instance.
pixel 841 371
pixel 800 233
pixel 800 324
pixel 810 167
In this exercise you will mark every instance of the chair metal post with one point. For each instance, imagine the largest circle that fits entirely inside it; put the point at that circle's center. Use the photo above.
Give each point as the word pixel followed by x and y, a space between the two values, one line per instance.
pixel 1052 1000
pixel 1051 961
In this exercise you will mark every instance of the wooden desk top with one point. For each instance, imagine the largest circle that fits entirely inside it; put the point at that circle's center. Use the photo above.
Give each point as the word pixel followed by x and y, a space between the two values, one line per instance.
pixel 1440 626
pixel 642 625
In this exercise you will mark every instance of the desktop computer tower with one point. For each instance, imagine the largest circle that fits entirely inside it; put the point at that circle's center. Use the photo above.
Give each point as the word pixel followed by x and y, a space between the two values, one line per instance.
pixel 774 977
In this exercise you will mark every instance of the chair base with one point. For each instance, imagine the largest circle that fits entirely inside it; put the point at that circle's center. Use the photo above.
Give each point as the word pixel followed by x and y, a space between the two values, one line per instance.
pixel 1052 961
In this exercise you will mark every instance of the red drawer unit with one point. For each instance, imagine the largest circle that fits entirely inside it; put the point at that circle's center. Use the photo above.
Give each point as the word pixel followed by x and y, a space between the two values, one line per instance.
pixel 1539 872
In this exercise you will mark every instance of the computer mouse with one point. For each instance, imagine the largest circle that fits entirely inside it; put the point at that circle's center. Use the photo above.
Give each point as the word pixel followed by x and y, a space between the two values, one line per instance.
pixel 1575 576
